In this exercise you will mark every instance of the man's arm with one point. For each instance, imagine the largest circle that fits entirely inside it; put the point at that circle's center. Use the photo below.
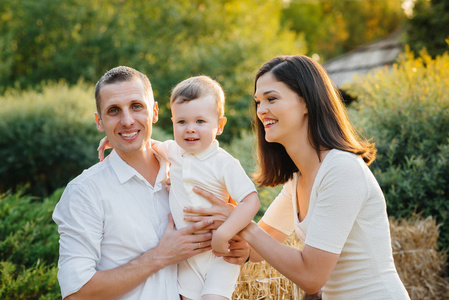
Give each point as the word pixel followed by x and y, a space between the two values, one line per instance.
pixel 174 246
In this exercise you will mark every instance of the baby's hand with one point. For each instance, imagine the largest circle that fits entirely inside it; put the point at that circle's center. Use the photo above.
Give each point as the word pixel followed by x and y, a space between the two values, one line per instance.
pixel 220 241
pixel 104 144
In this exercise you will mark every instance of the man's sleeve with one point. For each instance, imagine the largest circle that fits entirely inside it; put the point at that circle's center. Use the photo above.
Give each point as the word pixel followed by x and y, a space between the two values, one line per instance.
pixel 80 226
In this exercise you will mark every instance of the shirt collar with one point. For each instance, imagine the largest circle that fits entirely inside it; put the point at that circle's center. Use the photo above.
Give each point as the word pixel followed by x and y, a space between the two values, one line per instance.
pixel 125 172
pixel 206 153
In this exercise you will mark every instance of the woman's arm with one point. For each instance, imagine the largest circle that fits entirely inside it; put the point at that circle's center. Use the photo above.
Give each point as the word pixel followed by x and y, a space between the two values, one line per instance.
pixel 219 212
pixel 276 234
pixel 242 215
pixel 309 269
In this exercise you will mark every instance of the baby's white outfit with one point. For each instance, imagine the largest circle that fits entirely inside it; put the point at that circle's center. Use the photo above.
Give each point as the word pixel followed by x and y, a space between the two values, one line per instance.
pixel 218 172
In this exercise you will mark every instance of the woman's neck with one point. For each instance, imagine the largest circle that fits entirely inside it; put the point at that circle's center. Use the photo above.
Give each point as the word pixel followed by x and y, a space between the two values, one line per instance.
pixel 305 158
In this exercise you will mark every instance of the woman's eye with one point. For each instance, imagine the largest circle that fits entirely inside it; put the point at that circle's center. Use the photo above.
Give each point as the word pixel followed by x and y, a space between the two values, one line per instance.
pixel 271 98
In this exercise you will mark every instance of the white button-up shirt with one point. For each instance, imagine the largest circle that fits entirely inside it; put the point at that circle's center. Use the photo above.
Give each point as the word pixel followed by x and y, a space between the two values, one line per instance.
pixel 108 216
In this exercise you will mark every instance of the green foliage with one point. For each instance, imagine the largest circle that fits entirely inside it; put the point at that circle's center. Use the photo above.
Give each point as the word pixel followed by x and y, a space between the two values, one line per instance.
pixel 169 40
pixel 48 137
pixel 406 111
pixel 28 247
pixel 331 28
pixel 37 282
pixel 428 27
pixel 27 232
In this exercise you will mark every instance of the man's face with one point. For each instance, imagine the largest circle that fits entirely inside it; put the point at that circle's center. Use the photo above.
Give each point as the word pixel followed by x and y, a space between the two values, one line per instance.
pixel 126 116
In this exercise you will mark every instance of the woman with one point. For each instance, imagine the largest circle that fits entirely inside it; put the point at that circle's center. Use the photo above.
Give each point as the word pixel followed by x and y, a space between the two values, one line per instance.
pixel 330 197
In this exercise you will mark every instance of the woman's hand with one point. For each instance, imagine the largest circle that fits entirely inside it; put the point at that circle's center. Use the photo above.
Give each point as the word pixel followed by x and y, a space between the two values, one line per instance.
pixel 104 144
pixel 239 251
pixel 219 211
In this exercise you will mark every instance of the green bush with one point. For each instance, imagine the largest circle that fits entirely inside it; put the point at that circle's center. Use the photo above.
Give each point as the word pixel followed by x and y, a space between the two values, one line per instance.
pixel 28 247
pixel 406 111
pixel 49 136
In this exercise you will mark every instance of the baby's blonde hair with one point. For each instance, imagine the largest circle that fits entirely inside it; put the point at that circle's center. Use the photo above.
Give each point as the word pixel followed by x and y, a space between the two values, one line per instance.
pixel 198 86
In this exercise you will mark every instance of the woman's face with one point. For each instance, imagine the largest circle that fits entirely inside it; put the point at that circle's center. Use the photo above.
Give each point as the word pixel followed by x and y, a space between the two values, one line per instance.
pixel 282 111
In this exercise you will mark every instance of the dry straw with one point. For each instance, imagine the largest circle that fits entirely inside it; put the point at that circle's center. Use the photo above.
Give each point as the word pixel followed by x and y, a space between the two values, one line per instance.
pixel 419 263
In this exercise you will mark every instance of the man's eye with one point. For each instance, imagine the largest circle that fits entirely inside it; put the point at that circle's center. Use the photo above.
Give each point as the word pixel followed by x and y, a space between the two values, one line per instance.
pixel 112 111
pixel 137 106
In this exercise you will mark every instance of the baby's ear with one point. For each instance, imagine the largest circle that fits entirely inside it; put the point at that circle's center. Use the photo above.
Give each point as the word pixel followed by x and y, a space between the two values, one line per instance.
pixel 221 125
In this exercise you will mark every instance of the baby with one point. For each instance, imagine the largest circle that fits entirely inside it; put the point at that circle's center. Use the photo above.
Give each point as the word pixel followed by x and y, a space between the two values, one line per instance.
pixel 197 106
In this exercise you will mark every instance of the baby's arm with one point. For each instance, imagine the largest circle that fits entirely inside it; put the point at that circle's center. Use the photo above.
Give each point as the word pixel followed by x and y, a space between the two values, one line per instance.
pixel 242 215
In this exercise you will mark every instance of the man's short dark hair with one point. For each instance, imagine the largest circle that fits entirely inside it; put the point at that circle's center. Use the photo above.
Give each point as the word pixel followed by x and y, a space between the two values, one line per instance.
pixel 121 74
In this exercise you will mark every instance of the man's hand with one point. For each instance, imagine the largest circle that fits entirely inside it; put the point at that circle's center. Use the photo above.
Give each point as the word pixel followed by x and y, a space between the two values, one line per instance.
pixel 219 212
pixel 178 245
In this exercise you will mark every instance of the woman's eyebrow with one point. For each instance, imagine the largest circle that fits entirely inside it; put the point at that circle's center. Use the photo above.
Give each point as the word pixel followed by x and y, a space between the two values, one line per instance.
pixel 267 92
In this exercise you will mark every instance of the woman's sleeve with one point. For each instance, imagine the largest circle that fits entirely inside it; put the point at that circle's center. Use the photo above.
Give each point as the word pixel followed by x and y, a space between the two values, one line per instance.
pixel 341 194
pixel 279 214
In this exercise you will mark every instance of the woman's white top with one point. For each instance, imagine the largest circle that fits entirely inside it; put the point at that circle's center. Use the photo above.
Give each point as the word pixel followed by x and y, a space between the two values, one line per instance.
pixel 346 216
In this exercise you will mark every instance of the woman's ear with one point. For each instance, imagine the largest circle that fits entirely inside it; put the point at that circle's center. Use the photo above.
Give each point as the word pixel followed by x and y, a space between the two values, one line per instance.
pixel 305 106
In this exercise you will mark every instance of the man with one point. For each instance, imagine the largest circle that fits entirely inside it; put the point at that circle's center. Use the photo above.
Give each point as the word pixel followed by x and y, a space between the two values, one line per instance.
pixel 116 237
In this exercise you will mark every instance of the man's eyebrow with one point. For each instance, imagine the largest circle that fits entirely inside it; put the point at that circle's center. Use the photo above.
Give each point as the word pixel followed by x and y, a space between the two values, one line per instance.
pixel 109 106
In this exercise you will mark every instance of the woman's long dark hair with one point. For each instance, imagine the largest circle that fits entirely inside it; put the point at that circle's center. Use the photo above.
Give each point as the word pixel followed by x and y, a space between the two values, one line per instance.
pixel 328 122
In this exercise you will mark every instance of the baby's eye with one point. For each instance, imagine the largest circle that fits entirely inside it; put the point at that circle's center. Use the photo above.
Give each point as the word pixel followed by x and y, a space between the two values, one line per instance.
pixel 181 122
pixel 200 121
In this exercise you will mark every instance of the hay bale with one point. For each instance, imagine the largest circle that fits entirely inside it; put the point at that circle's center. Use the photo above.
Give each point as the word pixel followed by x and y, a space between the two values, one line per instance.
pixel 419 263
pixel 261 281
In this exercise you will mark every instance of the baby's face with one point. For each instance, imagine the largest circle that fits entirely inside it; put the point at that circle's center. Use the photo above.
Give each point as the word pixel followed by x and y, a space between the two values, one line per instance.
pixel 196 123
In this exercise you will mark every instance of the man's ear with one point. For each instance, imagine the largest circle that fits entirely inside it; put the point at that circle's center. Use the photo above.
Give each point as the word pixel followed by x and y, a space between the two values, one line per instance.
pixel 155 112
pixel 98 121
pixel 221 125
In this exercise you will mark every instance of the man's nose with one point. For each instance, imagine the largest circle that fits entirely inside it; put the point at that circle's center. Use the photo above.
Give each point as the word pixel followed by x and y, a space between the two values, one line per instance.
pixel 127 118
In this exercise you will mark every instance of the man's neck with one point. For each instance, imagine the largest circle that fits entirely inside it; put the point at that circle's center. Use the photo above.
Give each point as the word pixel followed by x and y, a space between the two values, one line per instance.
pixel 144 162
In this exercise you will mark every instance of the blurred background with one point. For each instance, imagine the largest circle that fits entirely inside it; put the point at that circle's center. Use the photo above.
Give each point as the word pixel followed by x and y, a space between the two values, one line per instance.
pixel 388 58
